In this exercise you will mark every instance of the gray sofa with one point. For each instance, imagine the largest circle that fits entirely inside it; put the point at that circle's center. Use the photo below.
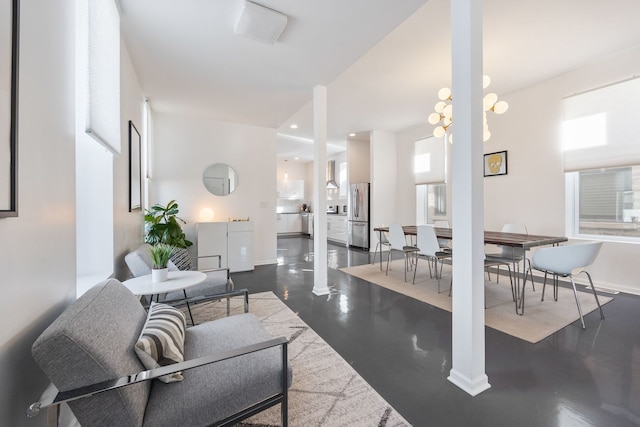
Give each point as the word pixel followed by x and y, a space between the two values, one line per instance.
pixel 233 368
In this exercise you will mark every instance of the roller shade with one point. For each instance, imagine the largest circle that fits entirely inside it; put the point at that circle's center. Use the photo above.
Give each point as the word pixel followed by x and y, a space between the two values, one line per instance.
pixel 601 128
pixel 102 118
pixel 429 160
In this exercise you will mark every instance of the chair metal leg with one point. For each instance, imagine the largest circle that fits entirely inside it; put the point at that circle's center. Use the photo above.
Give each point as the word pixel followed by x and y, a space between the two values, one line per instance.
pixel 388 259
pixel 415 270
pixel 544 285
pixel 189 308
pixel 593 288
pixel 575 294
pixel 375 253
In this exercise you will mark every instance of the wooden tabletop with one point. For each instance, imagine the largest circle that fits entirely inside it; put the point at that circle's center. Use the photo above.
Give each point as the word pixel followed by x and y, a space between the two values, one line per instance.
pixel 524 241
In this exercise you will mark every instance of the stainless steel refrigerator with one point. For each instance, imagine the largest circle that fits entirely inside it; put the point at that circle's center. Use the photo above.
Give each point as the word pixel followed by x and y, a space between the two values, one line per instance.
pixel 358 215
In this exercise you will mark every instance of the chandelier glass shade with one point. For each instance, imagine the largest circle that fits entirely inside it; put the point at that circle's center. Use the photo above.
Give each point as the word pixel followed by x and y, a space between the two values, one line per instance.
pixel 443 115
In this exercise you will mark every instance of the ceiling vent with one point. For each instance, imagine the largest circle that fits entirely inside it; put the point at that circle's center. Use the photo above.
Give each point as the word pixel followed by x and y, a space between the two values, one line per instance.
pixel 260 23
pixel 331 174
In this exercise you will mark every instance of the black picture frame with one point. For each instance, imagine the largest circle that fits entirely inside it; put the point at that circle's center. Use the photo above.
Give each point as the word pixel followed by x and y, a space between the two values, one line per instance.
pixel 135 169
pixel 10 15
pixel 495 164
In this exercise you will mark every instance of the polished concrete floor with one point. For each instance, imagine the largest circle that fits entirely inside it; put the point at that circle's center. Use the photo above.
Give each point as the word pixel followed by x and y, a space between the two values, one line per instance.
pixel 402 347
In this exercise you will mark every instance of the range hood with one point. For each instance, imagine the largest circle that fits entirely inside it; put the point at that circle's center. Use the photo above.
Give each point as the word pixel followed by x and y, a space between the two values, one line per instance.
pixel 331 174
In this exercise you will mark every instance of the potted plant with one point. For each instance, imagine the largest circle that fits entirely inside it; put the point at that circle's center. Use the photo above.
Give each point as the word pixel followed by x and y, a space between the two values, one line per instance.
pixel 160 255
pixel 163 226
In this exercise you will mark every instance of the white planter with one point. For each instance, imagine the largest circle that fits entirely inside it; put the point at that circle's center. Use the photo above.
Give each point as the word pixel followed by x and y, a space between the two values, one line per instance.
pixel 159 275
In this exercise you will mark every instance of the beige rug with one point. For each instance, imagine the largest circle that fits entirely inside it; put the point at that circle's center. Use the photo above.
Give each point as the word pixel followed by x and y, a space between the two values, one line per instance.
pixel 540 319
pixel 326 390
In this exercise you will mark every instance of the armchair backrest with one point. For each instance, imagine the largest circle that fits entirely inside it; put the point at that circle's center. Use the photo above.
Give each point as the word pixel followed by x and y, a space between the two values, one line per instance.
pixel 139 261
pixel 92 341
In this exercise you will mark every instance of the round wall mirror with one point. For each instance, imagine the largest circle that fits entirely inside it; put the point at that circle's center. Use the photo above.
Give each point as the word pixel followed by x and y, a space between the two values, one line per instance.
pixel 220 179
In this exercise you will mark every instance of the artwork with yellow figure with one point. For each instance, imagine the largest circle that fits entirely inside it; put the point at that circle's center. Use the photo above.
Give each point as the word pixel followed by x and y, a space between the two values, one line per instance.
pixel 495 163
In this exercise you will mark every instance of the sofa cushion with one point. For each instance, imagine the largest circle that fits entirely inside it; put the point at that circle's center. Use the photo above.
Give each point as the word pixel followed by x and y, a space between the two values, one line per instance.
pixel 213 392
pixel 92 341
pixel 161 341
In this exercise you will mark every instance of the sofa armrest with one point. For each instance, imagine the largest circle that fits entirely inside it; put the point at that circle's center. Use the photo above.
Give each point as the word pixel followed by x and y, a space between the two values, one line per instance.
pixel 51 396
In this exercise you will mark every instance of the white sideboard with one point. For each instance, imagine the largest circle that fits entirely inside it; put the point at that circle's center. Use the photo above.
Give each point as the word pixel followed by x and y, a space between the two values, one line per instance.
pixel 233 241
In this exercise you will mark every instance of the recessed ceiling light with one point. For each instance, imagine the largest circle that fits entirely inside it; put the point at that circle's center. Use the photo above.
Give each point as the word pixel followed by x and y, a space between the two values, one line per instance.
pixel 296 158
pixel 294 126
pixel 352 134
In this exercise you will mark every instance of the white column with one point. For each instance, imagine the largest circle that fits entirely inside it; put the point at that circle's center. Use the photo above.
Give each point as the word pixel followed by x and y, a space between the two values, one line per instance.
pixel 468 340
pixel 320 191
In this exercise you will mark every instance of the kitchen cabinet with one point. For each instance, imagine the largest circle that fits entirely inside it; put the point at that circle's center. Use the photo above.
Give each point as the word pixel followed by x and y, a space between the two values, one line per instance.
pixel 292 189
pixel 337 228
pixel 289 223
pixel 233 241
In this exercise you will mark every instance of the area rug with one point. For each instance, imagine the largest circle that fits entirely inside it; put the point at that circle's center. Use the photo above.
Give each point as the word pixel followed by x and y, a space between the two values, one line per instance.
pixel 540 319
pixel 326 390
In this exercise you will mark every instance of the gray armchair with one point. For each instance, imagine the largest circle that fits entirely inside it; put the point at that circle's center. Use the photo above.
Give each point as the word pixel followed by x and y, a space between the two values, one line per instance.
pixel 232 367
pixel 218 284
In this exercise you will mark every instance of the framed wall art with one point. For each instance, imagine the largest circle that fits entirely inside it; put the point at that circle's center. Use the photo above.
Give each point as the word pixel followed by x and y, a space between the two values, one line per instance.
pixel 495 163
pixel 135 169
pixel 9 43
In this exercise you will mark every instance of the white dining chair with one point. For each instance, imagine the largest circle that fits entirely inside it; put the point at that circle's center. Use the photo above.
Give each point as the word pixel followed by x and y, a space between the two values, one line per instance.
pixel 444 243
pixel 511 254
pixel 567 261
pixel 398 242
pixel 428 248
pixel 383 242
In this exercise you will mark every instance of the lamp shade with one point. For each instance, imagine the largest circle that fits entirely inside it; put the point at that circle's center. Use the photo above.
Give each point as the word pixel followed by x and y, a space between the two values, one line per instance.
pixel 434 118
pixel 500 107
pixel 444 93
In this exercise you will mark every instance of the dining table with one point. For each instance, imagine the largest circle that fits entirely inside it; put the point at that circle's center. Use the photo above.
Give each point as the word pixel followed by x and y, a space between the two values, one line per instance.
pixel 514 240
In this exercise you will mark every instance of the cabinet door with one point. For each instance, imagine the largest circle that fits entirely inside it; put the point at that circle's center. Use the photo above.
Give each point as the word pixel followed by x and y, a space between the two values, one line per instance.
pixel 212 240
pixel 282 223
pixel 240 245
pixel 294 223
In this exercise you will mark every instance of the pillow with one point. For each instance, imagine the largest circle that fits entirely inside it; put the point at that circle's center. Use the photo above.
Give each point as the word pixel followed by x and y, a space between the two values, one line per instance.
pixel 161 341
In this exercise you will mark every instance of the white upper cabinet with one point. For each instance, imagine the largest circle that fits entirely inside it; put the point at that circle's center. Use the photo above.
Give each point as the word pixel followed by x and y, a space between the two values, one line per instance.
pixel 292 189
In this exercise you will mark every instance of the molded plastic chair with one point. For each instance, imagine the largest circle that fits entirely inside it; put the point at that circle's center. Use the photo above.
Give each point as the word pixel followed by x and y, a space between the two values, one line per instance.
pixel 398 243
pixel 428 248
pixel 510 254
pixel 444 243
pixel 493 263
pixel 567 261
pixel 383 241
pixel 218 284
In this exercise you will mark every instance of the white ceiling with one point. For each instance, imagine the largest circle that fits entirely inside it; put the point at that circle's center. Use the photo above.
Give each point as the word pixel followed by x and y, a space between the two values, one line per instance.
pixel 383 61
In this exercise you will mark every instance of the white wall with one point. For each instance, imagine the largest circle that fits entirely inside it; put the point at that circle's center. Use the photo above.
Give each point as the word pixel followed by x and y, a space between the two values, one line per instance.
pixel 183 147
pixel 384 188
pixel 359 159
pixel 37 250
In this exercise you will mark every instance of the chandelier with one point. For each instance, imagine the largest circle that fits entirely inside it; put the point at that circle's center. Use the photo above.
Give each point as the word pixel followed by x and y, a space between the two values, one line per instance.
pixel 443 116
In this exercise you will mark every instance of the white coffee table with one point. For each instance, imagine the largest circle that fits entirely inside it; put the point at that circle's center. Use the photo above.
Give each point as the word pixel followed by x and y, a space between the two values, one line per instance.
pixel 177 281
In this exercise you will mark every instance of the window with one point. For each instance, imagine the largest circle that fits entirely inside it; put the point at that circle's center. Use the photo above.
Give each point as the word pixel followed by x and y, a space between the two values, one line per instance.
pixel 606 202
pixel 431 203
pixel 601 143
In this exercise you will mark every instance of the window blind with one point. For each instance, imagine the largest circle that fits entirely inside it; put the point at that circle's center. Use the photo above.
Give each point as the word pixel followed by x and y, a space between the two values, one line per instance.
pixel 102 118
pixel 601 128
pixel 429 160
